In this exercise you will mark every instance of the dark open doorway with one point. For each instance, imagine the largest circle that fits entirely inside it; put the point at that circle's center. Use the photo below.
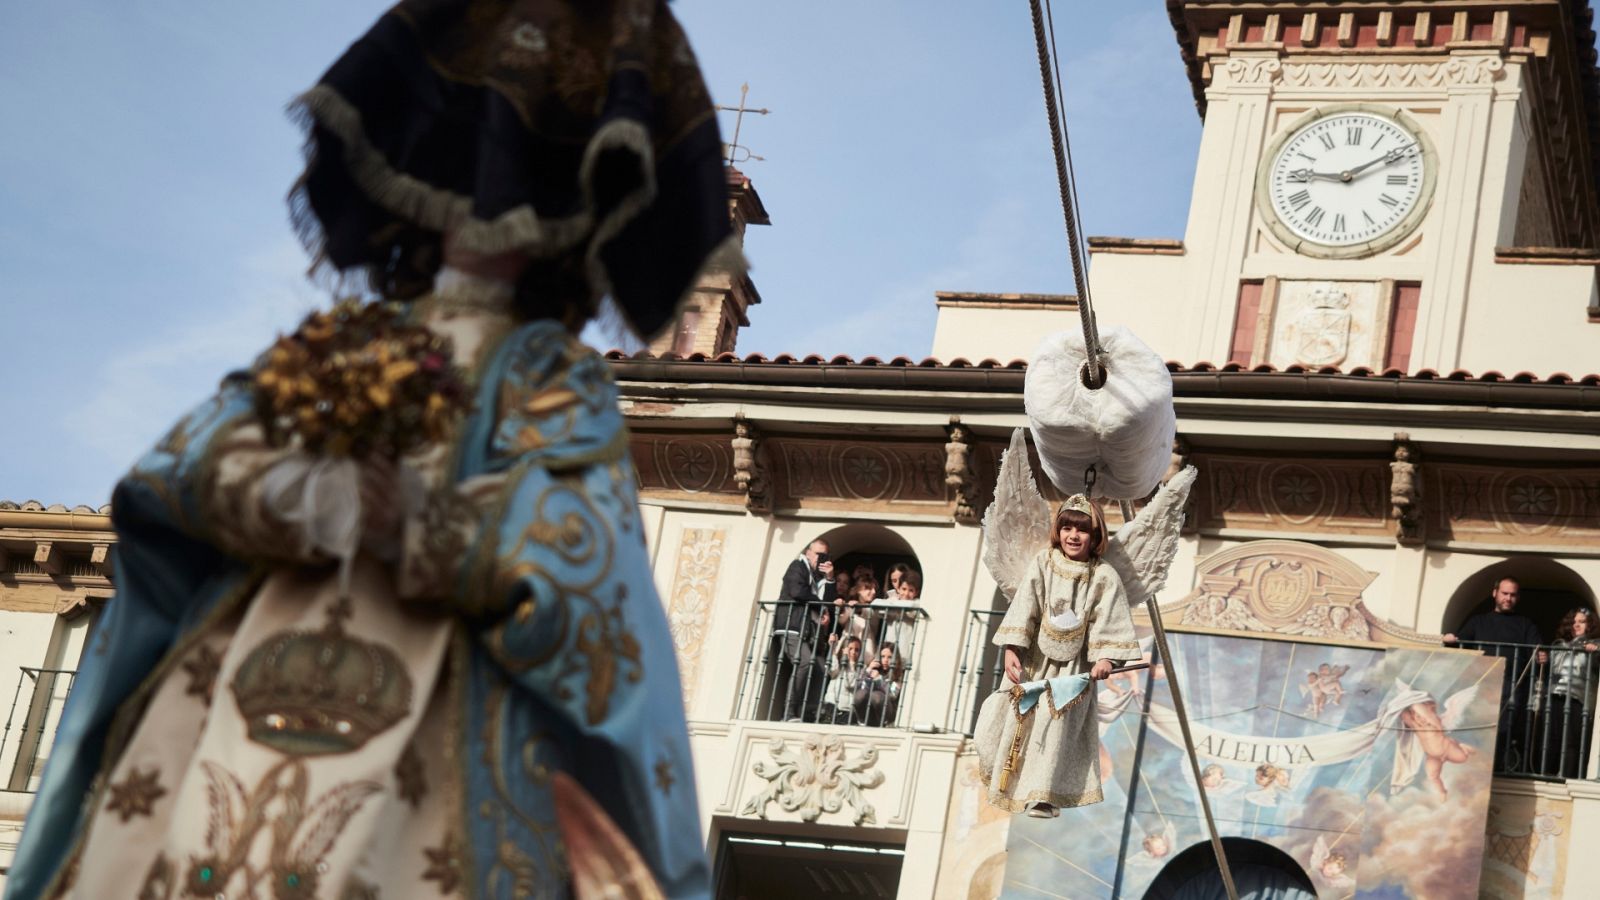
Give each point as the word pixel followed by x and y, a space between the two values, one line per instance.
pixel 786 867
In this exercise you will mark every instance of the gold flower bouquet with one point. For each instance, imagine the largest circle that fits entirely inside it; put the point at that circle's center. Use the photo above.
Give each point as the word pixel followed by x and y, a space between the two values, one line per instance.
pixel 352 384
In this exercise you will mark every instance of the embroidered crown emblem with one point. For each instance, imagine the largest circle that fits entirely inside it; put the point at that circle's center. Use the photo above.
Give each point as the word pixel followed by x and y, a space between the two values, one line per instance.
pixel 309 693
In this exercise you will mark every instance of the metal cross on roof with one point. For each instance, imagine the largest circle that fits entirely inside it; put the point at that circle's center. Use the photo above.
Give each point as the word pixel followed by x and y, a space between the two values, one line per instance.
pixel 731 149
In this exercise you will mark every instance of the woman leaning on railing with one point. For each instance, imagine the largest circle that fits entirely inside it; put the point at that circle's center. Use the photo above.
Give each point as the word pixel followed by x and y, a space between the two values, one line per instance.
pixel 1574 667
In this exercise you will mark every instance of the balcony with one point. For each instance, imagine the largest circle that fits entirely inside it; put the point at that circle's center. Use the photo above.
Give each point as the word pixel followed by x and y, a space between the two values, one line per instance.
pixel 30 725
pixel 798 664
pixel 1547 703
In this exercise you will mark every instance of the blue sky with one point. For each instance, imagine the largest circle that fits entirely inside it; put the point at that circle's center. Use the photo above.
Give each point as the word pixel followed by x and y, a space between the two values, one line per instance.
pixel 145 248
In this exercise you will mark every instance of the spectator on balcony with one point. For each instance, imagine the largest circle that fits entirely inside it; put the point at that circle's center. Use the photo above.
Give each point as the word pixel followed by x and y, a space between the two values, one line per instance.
pixel 897 616
pixel 896 573
pixel 1574 665
pixel 800 619
pixel 854 618
pixel 909 585
pixel 877 697
pixel 1513 637
pixel 844 670
pixel 863 572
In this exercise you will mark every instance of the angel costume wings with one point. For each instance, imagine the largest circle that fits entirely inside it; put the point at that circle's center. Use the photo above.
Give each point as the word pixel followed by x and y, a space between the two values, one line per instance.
pixel 1017 527
pixel 1063 612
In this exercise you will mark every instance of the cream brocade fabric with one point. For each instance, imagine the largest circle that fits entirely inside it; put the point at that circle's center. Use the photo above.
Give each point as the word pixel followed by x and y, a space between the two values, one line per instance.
pixel 1059 760
pixel 201 805
pixel 197 808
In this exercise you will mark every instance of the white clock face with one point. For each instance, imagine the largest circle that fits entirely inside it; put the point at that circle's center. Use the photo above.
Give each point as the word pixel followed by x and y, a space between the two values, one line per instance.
pixel 1348 179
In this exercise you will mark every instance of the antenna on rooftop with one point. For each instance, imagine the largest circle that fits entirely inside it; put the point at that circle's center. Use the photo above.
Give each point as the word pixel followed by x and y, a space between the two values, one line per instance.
pixel 732 149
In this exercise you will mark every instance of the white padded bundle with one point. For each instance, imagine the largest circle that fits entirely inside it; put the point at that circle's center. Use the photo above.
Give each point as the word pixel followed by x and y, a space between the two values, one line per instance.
pixel 1124 429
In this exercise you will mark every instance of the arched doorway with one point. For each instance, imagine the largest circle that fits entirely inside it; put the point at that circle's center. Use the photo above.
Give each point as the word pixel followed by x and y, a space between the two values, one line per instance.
pixel 873 546
pixel 1260 871
pixel 1548 590
pixel 826 668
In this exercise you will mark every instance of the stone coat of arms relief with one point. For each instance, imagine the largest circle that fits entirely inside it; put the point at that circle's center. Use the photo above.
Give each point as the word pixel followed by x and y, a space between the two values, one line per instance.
pixel 1288 588
pixel 1328 323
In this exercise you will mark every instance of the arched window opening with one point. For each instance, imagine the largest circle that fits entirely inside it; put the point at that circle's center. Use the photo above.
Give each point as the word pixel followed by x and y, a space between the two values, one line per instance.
pixel 1547 686
pixel 1260 871
pixel 839 649
pixel 1548 590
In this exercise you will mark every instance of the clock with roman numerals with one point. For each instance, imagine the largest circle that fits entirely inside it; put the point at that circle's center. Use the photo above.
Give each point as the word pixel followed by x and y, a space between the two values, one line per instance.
pixel 1345 181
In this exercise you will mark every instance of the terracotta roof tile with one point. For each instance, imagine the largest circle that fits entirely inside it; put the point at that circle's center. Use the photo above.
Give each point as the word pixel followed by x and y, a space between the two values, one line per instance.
pixel 1174 367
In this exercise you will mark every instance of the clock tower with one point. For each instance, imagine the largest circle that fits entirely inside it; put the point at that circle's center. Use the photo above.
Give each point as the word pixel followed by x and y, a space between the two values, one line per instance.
pixel 1402 185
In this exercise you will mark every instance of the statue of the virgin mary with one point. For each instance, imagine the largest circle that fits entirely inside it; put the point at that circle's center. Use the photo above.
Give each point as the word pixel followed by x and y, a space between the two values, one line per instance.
pixel 442 672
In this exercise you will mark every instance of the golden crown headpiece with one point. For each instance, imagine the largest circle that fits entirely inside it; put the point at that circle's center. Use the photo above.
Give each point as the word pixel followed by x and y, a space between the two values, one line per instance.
pixel 1079 503
pixel 315 692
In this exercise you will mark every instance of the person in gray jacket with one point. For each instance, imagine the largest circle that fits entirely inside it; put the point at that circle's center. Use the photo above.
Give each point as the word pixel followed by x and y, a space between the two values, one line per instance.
pixel 1574 667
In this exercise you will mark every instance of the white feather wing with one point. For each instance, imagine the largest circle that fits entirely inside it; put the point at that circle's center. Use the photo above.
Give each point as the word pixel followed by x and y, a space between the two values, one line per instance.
pixel 1456 707
pixel 1143 549
pixel 1016 527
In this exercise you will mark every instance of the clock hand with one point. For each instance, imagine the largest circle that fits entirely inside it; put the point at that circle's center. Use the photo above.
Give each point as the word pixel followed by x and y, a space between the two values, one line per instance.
pixel 1305 175
pixel 1394 155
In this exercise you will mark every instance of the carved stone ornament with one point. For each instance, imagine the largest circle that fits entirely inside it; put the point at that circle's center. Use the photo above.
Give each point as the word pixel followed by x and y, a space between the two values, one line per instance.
pixel 958 473
pixel 815 778
pixel 1457 70
pixel 691 603
pixel 748 470
pixel 1405 491
pixel 1291 588
pixel 1252 70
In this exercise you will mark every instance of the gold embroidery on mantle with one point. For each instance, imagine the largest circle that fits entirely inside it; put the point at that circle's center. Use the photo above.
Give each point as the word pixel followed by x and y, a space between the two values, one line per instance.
pixel 444 864
pixel 136 794
pixel 315 692
pixel 303 832
pixel 202 668
pixel 411 779
pixel 160 880
pixel 664 779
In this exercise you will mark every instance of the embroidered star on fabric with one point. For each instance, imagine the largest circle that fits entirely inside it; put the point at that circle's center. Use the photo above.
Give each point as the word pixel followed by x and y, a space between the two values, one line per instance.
pixel 444 865
pixel 136 795
pixel 411 780
pixel 202 667
pixel 664 779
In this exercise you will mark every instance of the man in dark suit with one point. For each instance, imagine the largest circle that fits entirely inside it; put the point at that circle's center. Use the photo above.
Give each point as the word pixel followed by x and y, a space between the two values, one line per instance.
pixel 1505 633
pixel 800 624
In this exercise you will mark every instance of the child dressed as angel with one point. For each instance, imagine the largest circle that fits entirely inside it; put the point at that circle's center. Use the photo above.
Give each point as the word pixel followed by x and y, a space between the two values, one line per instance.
pixel 1068 624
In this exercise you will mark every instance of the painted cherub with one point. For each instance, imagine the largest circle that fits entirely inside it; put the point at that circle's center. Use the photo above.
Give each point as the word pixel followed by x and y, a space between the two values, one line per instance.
pixel 1328 680
pixel 1271 781
pixel 1157 846
pixel 1424 737
pixel 1330 864
pixel 1322 687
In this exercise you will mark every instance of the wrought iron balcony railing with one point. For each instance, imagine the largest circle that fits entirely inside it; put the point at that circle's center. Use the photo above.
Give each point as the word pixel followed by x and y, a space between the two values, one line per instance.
pixel 31 723
pixel 832 663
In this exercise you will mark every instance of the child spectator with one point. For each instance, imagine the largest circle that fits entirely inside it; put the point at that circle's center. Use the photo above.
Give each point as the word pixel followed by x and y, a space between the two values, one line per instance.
pixel 877 696
pixel 838 702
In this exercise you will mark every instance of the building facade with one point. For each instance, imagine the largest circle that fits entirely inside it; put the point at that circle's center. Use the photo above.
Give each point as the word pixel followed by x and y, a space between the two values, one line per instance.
pixel 1382 320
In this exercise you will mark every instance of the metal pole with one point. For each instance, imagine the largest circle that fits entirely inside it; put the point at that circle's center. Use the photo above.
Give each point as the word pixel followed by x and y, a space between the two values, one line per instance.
pixel 1188 739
